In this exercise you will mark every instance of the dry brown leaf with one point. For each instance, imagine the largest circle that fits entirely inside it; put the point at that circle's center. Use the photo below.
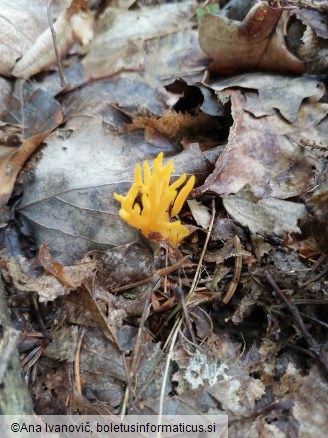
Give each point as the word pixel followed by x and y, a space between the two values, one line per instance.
pixel 47 287
pixel 180 128
pixel 70 276
pixel 200 213
pixel 311 404
pixel 228 250
pixel 218 366
pixel 72 25
pixel 120 39
pixel 12 165
pixel 101 367
pixel 259 154
pixel 70 205
pixel 266 216
pixel 63 344
pixel 248 302
pixel 272 91
pixel 51 390
pixel 257 43
pixel 125 264
pixel 316 20
pixel 20 23
pixel 5 90
pixel 315 225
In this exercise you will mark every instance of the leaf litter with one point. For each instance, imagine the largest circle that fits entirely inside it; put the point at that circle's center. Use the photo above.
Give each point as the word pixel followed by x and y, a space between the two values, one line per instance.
pixel 99 292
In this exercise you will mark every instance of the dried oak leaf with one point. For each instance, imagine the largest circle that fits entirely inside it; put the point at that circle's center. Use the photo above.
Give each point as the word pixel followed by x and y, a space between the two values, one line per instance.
pixel 257 43
pixel 259 153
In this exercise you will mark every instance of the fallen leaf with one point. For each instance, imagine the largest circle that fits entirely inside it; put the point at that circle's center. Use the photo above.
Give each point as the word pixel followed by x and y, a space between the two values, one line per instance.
pixel 74 211
pixel 272 90
pixel 259 153
pixel 70 276
pixel 63 344
pixel 197 97
pixel 200 213
pixel 73 24
pixel 225 228
pixel 265 216
pixel 257 43
pixel 181 128
pixel 314 19
pixel 120 39
pixel 124 265
pixel 52 388
pixel 47 286
pixel 315 225
pixel 5 91
pixel 310 404
pixel 12 165
pixel 250 299
pixel 228 250
pixel 128 92
pixel 20 25
pixel 101 367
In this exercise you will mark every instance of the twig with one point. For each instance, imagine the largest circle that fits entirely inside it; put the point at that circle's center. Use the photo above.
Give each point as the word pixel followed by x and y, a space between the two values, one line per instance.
pixel 161 272
pixel 199 266
pixel 315 278
pixel 38 314
pixel 77 376
pixel 53 33
pixel 236 275
pixel 179 292
pixel 315 265
pixel 312 343
pixel 166 371
pixel 136 349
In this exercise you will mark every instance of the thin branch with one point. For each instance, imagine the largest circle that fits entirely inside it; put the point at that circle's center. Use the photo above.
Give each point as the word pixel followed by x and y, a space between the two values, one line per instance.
pixel 179 292
pixel 312 343
pixel 53 33
pixel 196 277
pixel 77 375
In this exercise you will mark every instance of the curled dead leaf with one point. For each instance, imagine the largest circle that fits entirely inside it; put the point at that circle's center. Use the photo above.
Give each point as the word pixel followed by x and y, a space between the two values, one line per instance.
pixel 257 43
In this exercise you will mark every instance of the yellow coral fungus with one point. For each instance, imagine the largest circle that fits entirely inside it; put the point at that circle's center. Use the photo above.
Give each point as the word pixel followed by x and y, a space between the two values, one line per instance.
pixel 151 202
